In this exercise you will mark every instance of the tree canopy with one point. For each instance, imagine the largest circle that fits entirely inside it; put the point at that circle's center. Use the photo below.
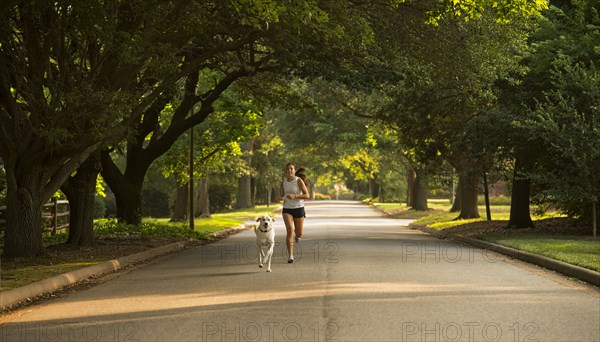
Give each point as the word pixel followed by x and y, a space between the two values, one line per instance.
pixel 78 77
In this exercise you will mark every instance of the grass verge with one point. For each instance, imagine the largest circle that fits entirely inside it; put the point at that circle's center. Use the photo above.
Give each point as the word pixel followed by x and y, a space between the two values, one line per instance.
pixel 115 240
pixel 574 250
pixel 555 236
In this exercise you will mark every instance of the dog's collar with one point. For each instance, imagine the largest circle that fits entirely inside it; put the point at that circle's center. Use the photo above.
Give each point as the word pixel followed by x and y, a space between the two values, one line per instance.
pixel 264 231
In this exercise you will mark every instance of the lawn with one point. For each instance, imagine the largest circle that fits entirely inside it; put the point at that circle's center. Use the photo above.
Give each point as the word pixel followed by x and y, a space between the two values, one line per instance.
pixel 554 236
pixel 400 210
pixel 574 250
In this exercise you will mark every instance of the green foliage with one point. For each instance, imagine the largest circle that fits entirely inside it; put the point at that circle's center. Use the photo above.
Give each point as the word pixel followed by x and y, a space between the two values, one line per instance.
pixel 216 139
pixel 504 10
pixel 79 110
pixel 100 187
pixel 446 75
pixel 156 194
pixel 568 122
pixel 222 196
pixel 563 113
pixel 423 81
pixel 110 206
pixel 114 229
pixel 99 207
pixel 495 200
pixel 362 164
pixel 155 203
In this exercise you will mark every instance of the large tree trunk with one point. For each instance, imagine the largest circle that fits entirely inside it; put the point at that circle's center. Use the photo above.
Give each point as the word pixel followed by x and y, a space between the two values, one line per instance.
pixel 181 200
pixel 520 216
pixel 375 187
pixel 129 206
pixel 244 193
pixel 81 192
pixel 419 190
pixel 127 187
pixel 141 152
pixel 253 191
pixel 23 230
pixel 202 207
pixel 469 190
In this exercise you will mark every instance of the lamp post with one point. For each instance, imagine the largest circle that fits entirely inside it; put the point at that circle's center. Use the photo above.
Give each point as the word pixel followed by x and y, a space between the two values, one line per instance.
pixel 191 182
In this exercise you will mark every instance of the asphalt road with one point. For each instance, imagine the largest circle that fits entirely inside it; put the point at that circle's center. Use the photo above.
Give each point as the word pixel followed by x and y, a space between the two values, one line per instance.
pixel 357 276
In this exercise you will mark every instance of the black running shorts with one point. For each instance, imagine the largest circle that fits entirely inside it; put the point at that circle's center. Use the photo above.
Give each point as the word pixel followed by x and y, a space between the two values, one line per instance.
pixel 296 213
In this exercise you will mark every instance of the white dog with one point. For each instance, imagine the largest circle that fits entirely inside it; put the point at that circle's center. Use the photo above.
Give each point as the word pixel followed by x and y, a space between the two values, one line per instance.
pixel 265 240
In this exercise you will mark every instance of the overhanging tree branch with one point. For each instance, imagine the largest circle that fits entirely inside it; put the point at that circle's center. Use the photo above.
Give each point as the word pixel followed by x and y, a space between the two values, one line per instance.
pixel 61 175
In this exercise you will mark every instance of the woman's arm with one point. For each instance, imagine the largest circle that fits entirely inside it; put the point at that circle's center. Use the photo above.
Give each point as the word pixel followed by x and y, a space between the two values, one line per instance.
pixel 303 188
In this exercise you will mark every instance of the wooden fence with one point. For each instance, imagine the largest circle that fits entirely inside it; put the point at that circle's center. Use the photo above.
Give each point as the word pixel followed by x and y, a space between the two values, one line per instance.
pixel 55 215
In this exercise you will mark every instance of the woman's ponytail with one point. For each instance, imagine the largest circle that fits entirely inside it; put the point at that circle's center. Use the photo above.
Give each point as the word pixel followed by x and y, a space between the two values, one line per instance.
pixel 301 175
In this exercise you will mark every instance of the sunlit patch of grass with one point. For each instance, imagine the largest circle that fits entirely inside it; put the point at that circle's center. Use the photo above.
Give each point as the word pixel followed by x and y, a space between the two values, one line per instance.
pixel 435 219
pixel 453 223
pixel 390 206
pixel 18 277
pixel 571 249
pixel 215 224
pixel 432 204
pixel 205 225
pixel 446 220
pixel 401 210
pixel 247 214
pixel 221 221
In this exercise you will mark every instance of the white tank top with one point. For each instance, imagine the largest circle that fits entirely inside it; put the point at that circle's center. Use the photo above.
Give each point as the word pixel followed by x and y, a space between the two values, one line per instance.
pixel 292 187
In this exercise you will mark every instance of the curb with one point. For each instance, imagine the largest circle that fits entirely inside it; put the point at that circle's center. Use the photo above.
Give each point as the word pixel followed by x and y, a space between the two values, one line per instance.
pixel 587 275
pixel 45 286
pixel 29 292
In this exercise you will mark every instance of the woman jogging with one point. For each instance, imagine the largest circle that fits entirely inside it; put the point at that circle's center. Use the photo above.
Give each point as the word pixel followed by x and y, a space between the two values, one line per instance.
pixel 294 191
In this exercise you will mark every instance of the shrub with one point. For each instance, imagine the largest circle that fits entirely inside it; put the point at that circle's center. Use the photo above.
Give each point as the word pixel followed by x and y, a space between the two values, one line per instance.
pixel 112 228
pixel 110 205
pixel 222 197
pixel 155 203
pixel 494 200
pixel 99 207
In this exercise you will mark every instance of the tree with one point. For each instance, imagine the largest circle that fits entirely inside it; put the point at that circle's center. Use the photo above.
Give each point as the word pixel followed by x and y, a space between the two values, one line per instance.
pixel 70 82
pixel 440 87
pixel 239 45
pixel 80 190
pixel 568 123
pixel 77 76
pixel 268 160
pixel 553 112
pixel 216 141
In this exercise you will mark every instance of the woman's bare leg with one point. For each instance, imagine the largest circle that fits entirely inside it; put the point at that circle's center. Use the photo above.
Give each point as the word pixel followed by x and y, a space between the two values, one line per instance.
pixel 299 226
pixel 289 227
